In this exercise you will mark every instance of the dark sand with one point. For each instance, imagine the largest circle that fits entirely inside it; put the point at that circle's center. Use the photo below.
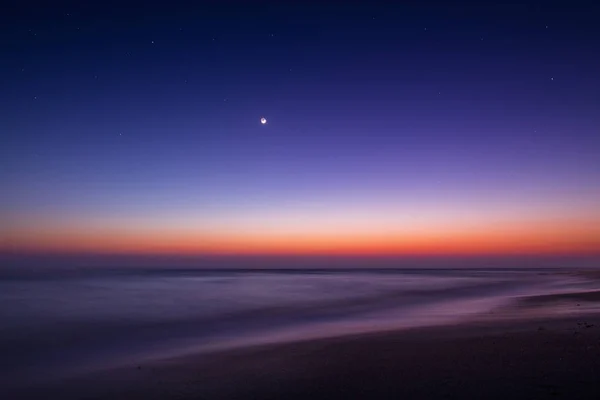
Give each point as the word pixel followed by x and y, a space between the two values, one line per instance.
pixel 545 359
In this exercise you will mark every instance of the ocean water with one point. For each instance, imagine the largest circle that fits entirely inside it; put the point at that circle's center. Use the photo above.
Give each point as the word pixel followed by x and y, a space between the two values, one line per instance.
pixel 53 325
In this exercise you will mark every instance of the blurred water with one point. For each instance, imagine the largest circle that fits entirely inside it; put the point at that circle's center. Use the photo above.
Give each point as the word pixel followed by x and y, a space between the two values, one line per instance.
pixel 76 322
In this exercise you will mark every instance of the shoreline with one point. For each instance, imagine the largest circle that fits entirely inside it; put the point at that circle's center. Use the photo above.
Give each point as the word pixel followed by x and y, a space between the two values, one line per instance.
pixel 540 357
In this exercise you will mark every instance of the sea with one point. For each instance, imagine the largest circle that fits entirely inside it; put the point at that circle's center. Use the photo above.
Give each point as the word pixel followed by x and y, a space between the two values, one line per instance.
pixel 54 325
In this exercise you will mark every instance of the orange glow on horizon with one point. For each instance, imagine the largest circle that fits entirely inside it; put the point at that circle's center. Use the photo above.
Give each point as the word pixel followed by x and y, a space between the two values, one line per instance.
pixel 508 240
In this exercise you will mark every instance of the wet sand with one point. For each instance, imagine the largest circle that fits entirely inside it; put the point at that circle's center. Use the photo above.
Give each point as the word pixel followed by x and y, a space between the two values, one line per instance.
pixel 543 359
pixel 590 296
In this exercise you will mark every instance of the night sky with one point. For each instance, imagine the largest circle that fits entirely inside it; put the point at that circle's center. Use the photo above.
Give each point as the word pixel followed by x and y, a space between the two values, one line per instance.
pixel 391 129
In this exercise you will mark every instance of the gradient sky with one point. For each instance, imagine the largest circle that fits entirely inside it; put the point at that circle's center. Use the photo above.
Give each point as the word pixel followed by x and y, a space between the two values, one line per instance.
pixel 410 129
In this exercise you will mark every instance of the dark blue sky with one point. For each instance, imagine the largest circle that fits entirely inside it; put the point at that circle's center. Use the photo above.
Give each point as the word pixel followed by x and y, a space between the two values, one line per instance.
pixel 142 123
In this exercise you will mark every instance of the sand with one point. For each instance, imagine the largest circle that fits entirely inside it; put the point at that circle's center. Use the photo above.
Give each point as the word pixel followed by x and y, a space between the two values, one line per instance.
pixel 544 359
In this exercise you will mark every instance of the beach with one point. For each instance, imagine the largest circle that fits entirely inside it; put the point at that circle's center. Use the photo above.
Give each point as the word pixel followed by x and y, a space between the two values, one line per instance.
pixel 303 334
pixel 547 358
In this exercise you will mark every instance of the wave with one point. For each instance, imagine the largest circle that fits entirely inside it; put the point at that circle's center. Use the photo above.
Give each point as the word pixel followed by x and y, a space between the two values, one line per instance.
pixel 90 320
